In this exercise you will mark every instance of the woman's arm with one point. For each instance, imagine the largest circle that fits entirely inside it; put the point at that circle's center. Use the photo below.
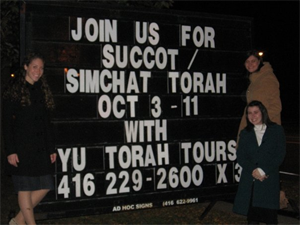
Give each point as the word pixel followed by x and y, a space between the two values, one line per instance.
pixel 8 121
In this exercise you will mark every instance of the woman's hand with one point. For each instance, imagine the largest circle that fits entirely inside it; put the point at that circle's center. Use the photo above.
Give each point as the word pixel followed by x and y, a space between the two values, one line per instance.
pixel 256 174
pixel 13 159
pixel 53 157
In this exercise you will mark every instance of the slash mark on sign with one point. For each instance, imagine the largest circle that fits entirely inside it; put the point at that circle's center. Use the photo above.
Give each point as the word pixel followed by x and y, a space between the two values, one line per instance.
pixel 191 62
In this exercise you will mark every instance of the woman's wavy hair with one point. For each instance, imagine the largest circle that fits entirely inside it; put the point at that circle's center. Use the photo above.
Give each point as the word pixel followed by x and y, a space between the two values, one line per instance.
pixel 264 113
pixel 17 91
pixel 255 53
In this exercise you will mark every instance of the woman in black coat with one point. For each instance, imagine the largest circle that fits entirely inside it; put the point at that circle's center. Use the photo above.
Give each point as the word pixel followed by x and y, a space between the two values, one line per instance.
pixel 27 132
pixel 260 152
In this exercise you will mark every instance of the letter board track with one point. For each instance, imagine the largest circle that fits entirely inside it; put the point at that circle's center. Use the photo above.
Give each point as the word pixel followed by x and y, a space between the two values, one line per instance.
pixel 148 104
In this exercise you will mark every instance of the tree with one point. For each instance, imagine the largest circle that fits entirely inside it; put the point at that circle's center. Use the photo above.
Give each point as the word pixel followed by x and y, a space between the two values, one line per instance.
pixel 10 34
pixel 146 3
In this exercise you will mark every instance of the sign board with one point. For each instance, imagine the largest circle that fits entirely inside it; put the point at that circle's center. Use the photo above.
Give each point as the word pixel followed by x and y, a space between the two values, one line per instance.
pixel 148 104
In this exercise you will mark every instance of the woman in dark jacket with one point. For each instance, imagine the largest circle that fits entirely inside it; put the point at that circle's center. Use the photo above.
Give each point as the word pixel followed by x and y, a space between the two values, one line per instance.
pixel 28 137
pixel 260 152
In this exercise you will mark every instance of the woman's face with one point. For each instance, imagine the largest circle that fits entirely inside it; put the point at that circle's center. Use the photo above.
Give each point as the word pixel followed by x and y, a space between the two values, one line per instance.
pixel 254 115
pixel 34 70
pixel 252 64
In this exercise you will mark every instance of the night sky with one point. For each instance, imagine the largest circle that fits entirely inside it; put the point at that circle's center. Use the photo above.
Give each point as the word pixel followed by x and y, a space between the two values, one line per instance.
pixel 275 31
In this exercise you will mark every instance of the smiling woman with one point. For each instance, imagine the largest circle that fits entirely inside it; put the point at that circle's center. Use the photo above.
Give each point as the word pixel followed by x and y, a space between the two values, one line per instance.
pixel 34 70
pixel 28 138
pixel 263 87
pixel 254 115
pixel 262 140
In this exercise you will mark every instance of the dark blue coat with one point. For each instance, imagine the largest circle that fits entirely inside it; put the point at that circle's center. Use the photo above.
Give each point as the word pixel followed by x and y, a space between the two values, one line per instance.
pixel 27 132
pixel 268 156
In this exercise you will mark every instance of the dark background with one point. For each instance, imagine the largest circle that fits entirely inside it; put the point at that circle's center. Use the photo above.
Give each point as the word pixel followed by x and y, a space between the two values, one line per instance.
pixel 276 32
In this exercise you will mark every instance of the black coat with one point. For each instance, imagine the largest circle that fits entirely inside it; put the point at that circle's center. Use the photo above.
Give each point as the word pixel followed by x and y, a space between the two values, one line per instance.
pixel 268 156
pixel 27 132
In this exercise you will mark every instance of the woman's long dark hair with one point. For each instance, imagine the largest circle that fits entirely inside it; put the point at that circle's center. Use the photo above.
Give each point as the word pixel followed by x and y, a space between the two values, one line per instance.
pixel 264 112
pixel 17 91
